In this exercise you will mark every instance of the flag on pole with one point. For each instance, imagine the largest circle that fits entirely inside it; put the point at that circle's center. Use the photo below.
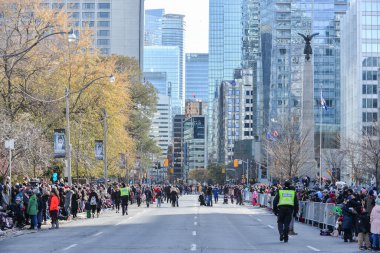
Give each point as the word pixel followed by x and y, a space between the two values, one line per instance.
pixel 323 103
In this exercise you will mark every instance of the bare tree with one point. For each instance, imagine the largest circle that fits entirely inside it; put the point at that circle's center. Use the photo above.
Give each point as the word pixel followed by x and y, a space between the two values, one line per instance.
pixel 333 158
pixel 287 150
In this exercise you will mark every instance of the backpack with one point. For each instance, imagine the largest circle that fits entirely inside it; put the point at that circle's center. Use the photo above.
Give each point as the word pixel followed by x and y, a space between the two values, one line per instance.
pixel 93 201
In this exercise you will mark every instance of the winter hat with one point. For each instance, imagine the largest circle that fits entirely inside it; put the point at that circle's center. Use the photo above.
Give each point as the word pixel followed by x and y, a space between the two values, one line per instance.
pixel 378 201
pixel 364 191
pixel 332 195
pixel 371 192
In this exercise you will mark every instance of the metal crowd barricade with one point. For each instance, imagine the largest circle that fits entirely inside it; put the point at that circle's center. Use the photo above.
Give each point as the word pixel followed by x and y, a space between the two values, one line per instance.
pixel 313 213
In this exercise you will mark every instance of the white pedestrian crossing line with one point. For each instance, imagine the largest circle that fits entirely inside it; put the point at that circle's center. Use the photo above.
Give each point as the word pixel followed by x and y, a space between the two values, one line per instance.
pixel 314 249
pixel 194 233
pixel 193 247
pixel 71 246
pixel 195 223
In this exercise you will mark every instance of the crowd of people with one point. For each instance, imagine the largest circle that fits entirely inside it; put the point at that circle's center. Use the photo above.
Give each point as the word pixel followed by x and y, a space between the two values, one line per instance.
pixel 31 204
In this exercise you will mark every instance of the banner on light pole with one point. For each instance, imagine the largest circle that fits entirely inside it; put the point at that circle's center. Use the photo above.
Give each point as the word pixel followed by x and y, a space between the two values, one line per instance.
pixel 98 150
pixel 59 143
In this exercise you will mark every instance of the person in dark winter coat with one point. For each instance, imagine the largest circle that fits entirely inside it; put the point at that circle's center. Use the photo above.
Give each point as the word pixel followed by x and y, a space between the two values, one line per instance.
pixel 201 199
pixel 349 212
pixel 94 200
pixel 74 203
pixel 363 228
pixel 116 198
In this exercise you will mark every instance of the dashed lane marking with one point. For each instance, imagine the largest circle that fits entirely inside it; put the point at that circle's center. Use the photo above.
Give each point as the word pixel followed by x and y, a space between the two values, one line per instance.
pixel 71 246
pixel 194 233
pixel 195 223
pixel 270 226
pixel 314 249
pixel 97 234
pixel 259 220
pixel 193 247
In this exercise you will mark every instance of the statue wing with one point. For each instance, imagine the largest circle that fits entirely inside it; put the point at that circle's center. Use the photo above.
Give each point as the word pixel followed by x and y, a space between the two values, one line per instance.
pixel 303 36
pixel 315 34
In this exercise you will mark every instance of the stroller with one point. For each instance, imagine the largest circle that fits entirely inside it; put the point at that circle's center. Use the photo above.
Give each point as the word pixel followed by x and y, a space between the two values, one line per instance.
pixel 6 221
pixel 225 199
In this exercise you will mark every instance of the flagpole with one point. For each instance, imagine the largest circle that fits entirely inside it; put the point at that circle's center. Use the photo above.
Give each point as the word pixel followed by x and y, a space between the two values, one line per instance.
pixel 320 142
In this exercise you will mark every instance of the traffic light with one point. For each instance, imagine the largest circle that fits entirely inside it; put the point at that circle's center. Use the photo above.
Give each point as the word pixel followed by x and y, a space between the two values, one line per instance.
pixel 166 163
pixel 236 163
pixel 223 170
pixel 171 170
pixel 159 165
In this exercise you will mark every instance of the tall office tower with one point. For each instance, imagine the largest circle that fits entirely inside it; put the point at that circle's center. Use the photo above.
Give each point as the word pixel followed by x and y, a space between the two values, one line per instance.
pixel 178 146
pixel 195 108
pixel 196 81
pixel 118 24
pixel 153 27
pixel 161 68
pixel 360 52
pixel 195 143
pixel 161 129
pixel 236 114
pixel 231 23
pixel 173 34
pixel 281 22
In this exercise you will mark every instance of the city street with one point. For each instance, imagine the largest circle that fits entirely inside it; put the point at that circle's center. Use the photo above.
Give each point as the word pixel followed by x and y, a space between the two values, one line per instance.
pixel 222 228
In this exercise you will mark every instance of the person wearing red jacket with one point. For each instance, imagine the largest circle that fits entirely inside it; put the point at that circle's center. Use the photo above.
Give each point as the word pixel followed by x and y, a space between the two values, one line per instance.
pixel 54 208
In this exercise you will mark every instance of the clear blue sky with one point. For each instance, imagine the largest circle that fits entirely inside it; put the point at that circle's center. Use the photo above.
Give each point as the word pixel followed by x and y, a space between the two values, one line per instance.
pixel 196 12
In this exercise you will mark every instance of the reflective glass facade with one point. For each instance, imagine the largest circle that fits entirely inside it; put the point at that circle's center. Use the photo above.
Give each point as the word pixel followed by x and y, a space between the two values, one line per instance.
pixel 153 27
pixel 196 77
pixel 225 36
pixel 161 64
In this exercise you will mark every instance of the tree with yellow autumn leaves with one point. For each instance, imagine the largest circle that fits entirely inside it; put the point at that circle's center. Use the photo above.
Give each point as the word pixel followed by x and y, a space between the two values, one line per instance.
pixel 37 64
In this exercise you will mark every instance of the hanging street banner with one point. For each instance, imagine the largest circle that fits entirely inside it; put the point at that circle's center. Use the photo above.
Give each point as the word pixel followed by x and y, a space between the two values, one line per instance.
pixel 59 143
pixel 98 150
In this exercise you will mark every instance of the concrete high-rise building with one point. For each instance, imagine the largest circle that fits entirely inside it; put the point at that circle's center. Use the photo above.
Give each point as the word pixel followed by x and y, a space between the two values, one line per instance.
pixel 161 129
pixel 178 146
pixel 161 68
pixel 118 24
pixel 196 81
pixel 195 108
pixel 360 52
pixel 195 143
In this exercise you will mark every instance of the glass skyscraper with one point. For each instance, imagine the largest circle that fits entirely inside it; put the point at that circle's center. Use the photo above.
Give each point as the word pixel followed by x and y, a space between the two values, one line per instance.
pixel 286 56
pixel 196 81
pixel 153 27
pixel 225 53
pixel 161 68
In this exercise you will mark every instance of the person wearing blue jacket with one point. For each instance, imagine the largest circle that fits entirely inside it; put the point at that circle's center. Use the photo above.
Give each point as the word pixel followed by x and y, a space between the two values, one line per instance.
pixel 215 192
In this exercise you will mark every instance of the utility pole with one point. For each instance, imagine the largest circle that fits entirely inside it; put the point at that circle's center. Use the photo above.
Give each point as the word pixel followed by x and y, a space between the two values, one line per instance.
pixel 68 154
pixel 105 145
pixel 247 172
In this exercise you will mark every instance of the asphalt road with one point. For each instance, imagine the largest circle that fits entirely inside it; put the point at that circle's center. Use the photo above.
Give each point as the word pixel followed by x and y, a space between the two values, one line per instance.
pixel 217 229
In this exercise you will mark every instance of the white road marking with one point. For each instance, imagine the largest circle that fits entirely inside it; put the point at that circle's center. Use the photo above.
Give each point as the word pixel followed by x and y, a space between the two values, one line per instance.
pixel 99 233
pixel 71 246
pixel 312 248
pixel 195 223
pixel 270 226
pixel 195 217
pixel 118 223
pixel 193 247
pixel 194 233
pixel 258 219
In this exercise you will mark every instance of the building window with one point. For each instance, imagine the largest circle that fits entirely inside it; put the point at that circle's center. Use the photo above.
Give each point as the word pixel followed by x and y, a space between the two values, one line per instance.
pixel 103 15
pixel 103 24
pixel 90 15
pixel 105 51
pixel 369 116
pixel 75 6
pixel 369 89
pixel 103 33
pixel 369 130
pixel 74 15
pixel 247 109
pixel 104 5
pixel 88 6
pixel 103 42
pixel 58 5
pixel 369 75
pixel 369 103
pixel 88 23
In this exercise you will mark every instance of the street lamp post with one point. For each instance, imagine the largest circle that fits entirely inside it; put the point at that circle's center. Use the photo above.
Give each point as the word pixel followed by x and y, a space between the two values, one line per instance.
pixel 68 155
pixel 105 145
